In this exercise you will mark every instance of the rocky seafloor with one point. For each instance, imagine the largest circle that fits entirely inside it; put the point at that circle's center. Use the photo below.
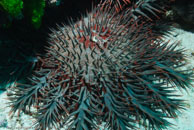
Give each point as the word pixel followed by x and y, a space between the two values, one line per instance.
pixel 185 120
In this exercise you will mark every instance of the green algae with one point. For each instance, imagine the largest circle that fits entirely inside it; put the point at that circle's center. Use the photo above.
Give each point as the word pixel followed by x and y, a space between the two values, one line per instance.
pixel 13 7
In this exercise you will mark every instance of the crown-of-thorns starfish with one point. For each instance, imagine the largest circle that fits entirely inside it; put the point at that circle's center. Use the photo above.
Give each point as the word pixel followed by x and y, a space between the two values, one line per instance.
pixel 100 70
